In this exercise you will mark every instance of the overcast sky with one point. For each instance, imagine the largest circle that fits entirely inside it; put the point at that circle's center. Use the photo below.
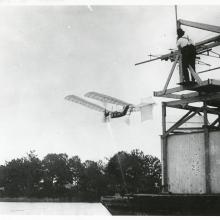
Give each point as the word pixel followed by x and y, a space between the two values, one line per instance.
pixel 48 52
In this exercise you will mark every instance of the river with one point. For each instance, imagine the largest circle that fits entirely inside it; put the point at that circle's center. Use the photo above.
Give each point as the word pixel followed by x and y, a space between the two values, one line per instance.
pixel 52 208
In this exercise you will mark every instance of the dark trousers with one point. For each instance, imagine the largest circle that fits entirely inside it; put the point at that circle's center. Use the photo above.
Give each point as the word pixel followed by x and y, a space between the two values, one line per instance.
pixel 116 114
pixel 188 58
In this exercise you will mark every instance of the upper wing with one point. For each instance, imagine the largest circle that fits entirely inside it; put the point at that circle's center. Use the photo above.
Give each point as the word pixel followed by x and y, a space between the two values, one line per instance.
pixel 84 102
pixel 105 98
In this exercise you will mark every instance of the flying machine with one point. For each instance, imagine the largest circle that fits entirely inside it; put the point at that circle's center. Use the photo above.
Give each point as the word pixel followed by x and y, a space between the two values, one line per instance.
pixel 127 108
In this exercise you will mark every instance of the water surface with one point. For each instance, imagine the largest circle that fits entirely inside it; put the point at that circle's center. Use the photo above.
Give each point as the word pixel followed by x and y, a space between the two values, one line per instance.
pixel 52 208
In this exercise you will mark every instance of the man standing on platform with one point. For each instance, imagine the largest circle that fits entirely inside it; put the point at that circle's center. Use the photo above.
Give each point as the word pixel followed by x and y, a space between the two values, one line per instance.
pixel 188 51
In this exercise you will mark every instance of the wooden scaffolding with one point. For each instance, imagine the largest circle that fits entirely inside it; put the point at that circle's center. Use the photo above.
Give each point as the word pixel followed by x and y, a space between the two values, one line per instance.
pixel 206 92
pixel 203 98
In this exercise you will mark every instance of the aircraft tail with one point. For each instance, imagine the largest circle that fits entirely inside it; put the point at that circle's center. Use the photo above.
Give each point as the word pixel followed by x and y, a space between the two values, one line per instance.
pixel 146 112
pixel 146 109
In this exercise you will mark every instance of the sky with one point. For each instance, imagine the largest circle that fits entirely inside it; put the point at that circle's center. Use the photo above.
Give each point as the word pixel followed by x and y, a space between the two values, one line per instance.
pixel 48 52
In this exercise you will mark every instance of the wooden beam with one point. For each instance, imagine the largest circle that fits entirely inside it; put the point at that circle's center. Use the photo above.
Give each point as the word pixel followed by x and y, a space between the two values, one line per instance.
pixel 177 23
pixel 209 40
pixel 193 108
pixel 180 67
pixel 170 75
pixel 219 121
pixel 169 91
pixel 204 71
pixel 214 82
pixel 164 117
pixel 172 96
pixel 215 122
pixel 190 87
pixel 206 47
pixel 202 26
pixel 177 96
pixel 178 89
pixel 207 160
pixel 178 123
pixel 195 75
pixel 164 150
pixel 191 94
pixel 181 121
pixel 200 98
pixel 190 128
pixel 164 164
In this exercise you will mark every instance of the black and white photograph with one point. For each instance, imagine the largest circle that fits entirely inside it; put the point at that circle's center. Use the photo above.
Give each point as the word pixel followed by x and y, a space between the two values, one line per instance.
pixel 109 109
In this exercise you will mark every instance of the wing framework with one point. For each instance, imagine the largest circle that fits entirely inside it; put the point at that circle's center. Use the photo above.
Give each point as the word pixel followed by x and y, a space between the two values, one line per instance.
pixel 85 103
pixel 105 98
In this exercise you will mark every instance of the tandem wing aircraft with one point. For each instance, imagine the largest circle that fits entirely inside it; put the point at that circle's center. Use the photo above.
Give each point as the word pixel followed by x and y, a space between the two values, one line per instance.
pixel 127 108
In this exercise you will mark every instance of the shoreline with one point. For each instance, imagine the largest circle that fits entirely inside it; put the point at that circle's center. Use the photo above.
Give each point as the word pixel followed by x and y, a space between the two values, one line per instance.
pixel 25 199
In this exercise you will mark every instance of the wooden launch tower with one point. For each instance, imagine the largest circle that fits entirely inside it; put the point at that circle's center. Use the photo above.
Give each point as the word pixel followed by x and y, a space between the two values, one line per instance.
pixel 191 155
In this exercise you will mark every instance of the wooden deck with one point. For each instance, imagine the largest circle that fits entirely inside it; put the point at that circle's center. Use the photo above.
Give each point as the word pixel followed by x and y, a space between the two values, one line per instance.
pixel 210 85
pixel 208 91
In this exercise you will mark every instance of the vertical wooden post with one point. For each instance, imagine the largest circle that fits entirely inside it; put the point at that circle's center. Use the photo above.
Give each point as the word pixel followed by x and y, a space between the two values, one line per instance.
pixel 207 160
pixel 178 25
pixel 176 16
pixel 164 149
pixel 180 67
pixel 218 120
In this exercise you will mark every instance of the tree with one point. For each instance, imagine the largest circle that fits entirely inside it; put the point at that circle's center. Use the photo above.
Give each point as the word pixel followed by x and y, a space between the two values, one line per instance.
pixel 76 169
pixel 59 176
pixel 2 175
pixel 152 168
pixel 133 173
pixel 56 174
pixel 33 172
pixel 92 182
pixel 22 176
pixel 115 172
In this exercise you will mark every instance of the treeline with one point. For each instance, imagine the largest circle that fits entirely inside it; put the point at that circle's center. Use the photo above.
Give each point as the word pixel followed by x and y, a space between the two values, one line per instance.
pixel 58 176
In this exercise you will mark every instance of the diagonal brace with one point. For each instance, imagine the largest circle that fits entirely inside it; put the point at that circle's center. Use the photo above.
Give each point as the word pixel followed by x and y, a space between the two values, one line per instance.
pixel 217 120
pixel 195 75
pixel 170 75
pixel 185 118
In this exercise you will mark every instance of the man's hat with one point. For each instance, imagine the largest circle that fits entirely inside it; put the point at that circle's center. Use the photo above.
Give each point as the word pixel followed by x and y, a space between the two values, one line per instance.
pixel 180 32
